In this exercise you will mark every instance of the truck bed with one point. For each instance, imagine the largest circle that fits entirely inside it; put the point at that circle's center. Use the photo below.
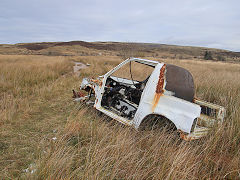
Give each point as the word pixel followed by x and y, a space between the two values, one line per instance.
pixel 211 115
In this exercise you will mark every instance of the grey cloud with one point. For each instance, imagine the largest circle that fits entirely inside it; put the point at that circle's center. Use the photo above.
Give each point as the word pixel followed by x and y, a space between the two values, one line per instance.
pixel 212 23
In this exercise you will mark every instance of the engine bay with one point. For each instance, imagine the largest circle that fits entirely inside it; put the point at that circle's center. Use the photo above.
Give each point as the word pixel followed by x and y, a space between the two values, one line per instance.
pixel 122 96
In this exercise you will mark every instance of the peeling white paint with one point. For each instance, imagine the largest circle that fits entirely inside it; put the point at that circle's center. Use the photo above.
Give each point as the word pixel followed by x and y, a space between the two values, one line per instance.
pixel 181 112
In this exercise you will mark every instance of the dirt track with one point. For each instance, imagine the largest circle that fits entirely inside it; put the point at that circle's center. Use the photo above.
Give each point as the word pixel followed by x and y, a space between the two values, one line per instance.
pixel 78 66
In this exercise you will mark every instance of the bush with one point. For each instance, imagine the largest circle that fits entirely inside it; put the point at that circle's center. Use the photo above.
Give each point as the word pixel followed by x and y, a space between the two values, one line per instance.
pixel 221 58
pixel 208 55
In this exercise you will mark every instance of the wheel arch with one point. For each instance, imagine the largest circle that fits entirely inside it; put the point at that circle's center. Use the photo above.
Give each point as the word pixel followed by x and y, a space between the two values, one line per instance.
pixel 149 118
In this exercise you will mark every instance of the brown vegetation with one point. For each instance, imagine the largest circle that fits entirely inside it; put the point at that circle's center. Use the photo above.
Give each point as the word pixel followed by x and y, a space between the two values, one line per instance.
pixel 123 49
pixel 44 135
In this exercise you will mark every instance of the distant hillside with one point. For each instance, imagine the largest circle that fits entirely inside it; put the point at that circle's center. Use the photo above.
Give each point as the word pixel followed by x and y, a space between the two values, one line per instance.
pixel 79 48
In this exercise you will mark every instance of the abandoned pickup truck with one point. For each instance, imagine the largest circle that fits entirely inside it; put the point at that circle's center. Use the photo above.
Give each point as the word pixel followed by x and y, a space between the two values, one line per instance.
pixel 139 88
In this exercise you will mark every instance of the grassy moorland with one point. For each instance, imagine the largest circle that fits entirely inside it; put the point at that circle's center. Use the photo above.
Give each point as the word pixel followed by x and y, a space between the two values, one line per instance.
pixel 44 135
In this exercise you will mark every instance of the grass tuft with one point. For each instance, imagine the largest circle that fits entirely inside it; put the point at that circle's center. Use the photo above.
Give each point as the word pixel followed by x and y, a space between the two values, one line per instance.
pixel 44 135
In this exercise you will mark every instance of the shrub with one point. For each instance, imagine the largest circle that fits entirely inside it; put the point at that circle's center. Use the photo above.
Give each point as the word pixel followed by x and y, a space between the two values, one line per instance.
pixel 208 55
pixel 221 58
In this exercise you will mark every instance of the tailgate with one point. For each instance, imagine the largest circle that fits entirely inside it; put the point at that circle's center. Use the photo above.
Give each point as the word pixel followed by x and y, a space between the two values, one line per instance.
pixel 210 113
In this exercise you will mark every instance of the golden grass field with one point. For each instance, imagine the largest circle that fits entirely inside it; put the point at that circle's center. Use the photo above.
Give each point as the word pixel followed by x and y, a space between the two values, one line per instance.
pixel 45 135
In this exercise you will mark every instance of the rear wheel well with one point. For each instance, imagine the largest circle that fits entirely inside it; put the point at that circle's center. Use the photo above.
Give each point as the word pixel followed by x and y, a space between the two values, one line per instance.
pixel 156 121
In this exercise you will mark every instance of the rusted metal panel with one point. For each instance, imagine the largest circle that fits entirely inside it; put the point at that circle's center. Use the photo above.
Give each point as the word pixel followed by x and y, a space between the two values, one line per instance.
pixel 196 134
pixel 159 89
pixel 77 94
pixel 180 82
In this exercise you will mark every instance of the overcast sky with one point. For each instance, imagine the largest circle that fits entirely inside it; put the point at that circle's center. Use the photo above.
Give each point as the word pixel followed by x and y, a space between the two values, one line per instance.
pixel 209 23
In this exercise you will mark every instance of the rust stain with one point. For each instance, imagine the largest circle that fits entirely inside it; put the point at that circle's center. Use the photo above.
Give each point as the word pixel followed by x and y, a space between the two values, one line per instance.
pixel 159 89
pixel 96 81
pixel 78 94
pixel 81 94
pixel 185 137
pixel 100 85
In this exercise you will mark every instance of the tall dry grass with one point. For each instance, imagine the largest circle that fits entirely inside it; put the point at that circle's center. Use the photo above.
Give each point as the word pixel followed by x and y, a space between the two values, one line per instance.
pixel 89 145
pixel 23 76
pixel 26 85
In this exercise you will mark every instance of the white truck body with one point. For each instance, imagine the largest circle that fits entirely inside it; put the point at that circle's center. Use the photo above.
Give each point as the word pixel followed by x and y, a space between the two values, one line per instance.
pixel 155 98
